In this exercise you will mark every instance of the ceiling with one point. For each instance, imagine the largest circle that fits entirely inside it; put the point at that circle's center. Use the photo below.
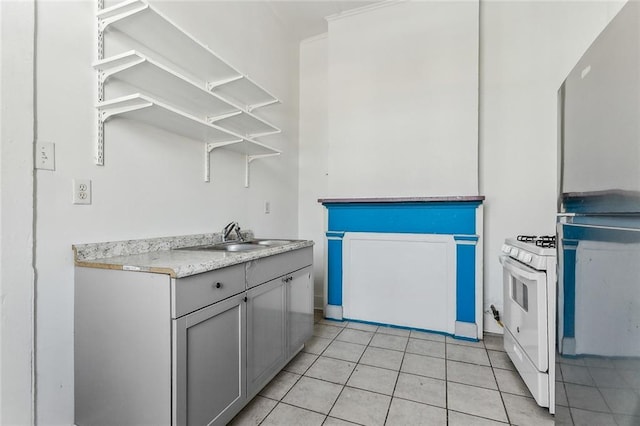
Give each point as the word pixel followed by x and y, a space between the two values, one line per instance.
pixel 305 18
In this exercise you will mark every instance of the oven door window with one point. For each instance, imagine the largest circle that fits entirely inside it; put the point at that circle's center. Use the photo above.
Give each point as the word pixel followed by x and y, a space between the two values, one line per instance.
pixel 520 293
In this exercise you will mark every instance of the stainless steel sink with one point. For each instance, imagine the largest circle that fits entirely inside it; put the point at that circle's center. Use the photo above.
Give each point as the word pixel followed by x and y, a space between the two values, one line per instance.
pixel 234 246
pixel 237 247
pixel 271 243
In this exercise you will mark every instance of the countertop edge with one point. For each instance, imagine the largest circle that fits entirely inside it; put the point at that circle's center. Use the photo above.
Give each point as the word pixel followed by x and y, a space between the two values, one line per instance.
pixel 96 264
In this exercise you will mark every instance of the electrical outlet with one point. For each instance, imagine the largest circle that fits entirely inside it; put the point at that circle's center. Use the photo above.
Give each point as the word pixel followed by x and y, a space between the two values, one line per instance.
pixel 267 207
pixel 81 191
pixel 45 156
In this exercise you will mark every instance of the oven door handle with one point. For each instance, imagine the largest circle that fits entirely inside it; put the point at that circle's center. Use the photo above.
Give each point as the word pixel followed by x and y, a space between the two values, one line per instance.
pixel 518 270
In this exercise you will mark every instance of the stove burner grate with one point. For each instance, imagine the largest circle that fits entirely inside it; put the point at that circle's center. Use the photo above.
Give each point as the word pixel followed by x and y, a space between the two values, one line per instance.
pixel 546 241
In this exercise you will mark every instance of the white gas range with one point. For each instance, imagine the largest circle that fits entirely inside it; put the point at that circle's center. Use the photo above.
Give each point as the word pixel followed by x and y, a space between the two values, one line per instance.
pixel 529 288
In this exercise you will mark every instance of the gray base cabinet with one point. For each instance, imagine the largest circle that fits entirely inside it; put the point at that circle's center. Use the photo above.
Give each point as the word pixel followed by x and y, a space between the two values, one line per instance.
pixel 122 348
pixel 152 350
pixel 209 363
pixel 266 342
pixel 299 309
pixel 280 318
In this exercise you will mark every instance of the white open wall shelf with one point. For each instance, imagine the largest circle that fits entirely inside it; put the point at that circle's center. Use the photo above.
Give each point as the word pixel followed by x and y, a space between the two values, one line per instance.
pixel 140 71
pixel 215 100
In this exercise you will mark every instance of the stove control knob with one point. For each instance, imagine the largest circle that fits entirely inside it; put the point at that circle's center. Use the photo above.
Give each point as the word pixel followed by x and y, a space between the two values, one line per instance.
pixel 506 249
pixel 521 256
pixel 528 257
pixel 514 251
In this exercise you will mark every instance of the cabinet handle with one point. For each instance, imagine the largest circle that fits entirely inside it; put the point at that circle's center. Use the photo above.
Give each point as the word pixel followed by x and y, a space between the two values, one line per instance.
pixel 218 285
pixel 245 298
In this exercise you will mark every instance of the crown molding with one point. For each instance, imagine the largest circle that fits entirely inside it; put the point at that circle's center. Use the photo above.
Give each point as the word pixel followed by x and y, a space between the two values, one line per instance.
pixel 363 9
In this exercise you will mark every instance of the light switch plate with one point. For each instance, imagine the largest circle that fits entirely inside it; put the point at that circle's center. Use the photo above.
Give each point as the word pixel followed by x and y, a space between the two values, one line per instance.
pixel 45 156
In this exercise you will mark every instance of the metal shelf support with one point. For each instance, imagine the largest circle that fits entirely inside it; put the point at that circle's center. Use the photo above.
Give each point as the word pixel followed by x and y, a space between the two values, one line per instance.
pixel 207 156
pixel 249 160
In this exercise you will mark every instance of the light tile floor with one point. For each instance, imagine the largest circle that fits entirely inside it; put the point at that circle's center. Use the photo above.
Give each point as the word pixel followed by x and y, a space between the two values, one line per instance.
pixel 597 391
pixel 353 373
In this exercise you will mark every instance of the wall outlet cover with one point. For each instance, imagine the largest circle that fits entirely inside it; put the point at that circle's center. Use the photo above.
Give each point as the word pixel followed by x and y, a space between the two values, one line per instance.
pixel 81 191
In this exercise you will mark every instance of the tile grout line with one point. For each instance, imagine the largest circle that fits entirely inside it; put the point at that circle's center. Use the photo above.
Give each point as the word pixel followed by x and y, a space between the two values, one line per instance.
pixel 404 352
pixel 351 374
pixel 568 405
pixel 280 401
pixel 600 392
pixel 446 382
pixel 333 339
pixel 493 373
pixel 326 416
pixel 561 381
pixel 395 385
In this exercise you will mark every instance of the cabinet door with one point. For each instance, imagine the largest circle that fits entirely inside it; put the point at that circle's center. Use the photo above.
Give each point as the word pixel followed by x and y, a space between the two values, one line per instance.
pixel 266 344
pixel 299 308
pixel 209 373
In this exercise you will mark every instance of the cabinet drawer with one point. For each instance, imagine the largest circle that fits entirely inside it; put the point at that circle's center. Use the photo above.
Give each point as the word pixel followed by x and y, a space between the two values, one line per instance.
pixel 197 291
pixel 262 270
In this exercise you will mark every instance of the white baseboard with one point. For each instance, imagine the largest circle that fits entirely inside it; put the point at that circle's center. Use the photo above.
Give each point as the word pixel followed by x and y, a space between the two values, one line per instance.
pixel 466 329
pixel 333 312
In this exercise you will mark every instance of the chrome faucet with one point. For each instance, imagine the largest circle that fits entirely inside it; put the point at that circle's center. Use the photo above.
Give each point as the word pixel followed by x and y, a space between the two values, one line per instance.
pixel 231 227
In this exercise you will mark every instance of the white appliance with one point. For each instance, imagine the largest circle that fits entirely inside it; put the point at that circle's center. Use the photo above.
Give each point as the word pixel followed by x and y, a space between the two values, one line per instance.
pixel 529 286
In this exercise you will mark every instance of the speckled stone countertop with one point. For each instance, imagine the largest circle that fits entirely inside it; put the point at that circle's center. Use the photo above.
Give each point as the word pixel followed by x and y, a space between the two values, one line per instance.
pixel 459 198
pixel 161 255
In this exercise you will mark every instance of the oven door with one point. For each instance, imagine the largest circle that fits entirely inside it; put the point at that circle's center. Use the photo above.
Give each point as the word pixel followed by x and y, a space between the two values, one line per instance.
pixel 525 309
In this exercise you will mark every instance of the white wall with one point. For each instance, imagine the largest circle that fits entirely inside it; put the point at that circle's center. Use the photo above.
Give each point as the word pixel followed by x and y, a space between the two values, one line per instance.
pixel 521 69
pixel 313 152
pixel 371 125
pixel 152 182
pixel 527 49
pixel 16 212
pixel 403 100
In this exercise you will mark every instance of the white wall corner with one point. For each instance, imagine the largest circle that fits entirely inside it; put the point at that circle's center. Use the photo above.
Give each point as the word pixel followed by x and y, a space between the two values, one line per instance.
pixel 17 396
pixel 313 39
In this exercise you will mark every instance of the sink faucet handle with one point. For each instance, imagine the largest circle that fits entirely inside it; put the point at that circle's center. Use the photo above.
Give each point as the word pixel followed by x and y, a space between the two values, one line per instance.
pixel 238 234
pixel 227 230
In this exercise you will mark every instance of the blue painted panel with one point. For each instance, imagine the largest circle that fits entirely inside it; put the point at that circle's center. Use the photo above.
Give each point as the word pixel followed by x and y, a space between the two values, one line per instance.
pixel 414 218
pixel 334 278
pixel 466 283
pixel 569 287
